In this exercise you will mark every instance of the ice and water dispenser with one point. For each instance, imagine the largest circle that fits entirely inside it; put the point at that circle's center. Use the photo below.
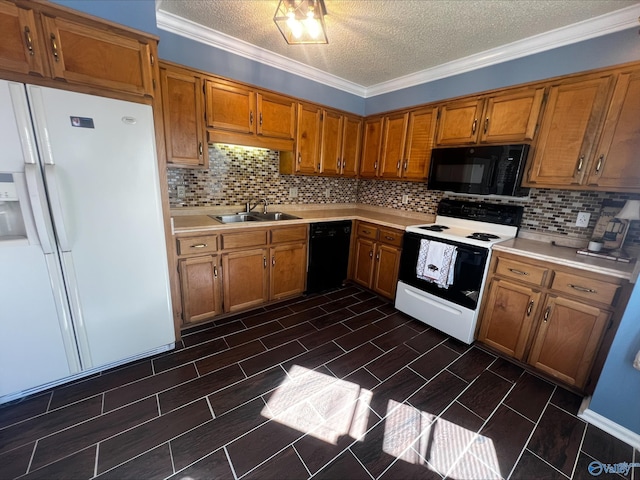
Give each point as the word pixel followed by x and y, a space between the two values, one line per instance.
pixel 12 226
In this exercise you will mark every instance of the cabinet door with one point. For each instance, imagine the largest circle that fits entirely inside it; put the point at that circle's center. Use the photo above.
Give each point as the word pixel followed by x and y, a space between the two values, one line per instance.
pixel 288 270
pixel 372 146
pixel 387 264
pixel 200 282
pixel 363 261
pixel 245 279
pixel 91 56
pixel 508 317
pixel 276 116
pixel 230 107
pixel 182 107
pixel 308 139
pixel 568 131
pixel 330 161
pixel 567 339
pixel 458 123
pixel 21 49
pixel 512 117
pixel 351 145
pixel 393 139
pixel 420 136
pixel 616 164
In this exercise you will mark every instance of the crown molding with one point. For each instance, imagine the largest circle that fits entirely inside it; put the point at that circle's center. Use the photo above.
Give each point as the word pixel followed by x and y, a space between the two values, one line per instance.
pixel 602 25
pixel 595 27
pixel 186 28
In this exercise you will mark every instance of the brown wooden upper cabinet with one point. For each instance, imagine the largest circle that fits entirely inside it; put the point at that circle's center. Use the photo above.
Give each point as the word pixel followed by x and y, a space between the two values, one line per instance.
pixel 566 142
pixel 398 146
pixel 340 145
pixel 507 117
pixel 57 44
pixel 183 111
pixel 307 147
pixel 615 165
pixel 240 114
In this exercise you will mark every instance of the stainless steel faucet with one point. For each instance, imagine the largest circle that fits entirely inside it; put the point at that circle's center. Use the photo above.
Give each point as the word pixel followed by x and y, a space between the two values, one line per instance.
pixel 249 207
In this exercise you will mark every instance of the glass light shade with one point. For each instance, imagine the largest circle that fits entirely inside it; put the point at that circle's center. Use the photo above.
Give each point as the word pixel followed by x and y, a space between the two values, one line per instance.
pixel 301 21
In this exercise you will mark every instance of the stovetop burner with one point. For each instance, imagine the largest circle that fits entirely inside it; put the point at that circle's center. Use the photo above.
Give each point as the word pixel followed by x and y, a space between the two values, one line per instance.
pixel 485 237
pixel 435 228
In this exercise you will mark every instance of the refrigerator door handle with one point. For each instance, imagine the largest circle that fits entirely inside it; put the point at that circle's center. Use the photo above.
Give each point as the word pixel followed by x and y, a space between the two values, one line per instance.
pixel 39 208
pixel 56 207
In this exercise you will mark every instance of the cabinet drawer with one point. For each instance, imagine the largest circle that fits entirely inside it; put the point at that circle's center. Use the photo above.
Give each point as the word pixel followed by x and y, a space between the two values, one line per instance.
pixel 367 230
pixel 289 234
pixel 203 244
pixel 532 274
pixel 587 288
pixel 391 236
pixel 244 239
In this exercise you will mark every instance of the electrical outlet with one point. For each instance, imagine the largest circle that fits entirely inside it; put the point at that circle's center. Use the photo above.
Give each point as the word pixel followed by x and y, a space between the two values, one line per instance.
pixel 182 191
pixel 327 193
pixel 405 199
pixel 583 219
pixel 293 192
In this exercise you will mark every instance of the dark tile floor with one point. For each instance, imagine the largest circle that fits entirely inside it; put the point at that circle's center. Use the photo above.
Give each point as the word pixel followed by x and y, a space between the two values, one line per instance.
pixel 333 386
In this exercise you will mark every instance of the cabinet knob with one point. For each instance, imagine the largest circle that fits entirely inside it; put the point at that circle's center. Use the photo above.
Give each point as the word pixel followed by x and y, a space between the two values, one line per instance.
pixel 28 40
pixel 599 164
pixel 54 47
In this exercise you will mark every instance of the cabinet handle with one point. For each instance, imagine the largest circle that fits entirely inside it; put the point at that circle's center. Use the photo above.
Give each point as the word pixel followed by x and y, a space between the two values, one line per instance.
pixel 547 312
pixel 366 232
pixel 599 164
pixel 375 165
pixel 518 272
pixel 260 118
pixel 473 127
pixel 200 148
pixel 370 253
pixel 486 124
pixel 378 256
pixel 529 308
pixel 582 289
pixel 215 272
pixel 318 166
pixel 198 245
pixel 264 261
pixel 273 261
pixel 338 165
pixel 580 162
pixel 27 38
pixel 406 164
pixel 344 164
pixel 299 157
pixel 387 237
pixel 398 165
pixel 251 117
pixel 54 47
pixel 153 59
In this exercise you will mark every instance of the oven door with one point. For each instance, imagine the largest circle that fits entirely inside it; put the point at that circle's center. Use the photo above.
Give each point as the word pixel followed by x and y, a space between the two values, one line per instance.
pixel 469 270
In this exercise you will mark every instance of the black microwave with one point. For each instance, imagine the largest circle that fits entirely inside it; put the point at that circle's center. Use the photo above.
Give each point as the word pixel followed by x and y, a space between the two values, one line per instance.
pixel 482 170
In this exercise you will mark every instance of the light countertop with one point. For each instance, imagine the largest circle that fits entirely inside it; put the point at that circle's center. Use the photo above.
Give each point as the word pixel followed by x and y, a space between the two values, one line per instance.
pixel 566 256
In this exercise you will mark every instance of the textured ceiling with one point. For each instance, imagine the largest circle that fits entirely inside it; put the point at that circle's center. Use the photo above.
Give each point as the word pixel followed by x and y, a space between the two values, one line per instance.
pixel 376 41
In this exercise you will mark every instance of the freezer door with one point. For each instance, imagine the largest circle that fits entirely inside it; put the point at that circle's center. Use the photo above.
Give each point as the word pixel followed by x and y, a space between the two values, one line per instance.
pixel 101 176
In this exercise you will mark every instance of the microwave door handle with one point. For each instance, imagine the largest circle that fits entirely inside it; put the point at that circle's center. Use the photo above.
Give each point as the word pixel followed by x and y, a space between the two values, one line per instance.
pixel 491 177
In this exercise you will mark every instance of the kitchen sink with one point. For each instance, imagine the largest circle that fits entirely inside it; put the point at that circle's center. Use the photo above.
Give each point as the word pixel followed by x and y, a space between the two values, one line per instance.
pixel 275 216
pixel 254 217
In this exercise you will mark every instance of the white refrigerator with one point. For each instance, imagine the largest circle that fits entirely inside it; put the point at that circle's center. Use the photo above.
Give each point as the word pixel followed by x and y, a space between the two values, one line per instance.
pixel 84 283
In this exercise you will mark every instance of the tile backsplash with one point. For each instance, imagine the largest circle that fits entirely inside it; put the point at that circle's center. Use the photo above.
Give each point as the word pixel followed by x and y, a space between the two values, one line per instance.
pixel 237 174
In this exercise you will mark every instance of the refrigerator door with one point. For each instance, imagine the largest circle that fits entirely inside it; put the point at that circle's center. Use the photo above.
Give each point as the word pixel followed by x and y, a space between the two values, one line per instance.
pixel 102 180
pixel 38 340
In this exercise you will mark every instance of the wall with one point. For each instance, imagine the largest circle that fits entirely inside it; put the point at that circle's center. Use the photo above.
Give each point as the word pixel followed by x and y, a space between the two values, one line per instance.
pixel 616 395
pixel 237 173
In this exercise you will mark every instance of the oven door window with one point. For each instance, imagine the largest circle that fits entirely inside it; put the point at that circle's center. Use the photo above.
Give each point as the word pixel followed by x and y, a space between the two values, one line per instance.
pixel 468 271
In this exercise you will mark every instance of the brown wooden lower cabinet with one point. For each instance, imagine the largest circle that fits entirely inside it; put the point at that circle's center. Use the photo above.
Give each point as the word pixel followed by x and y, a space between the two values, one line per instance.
pixel 376 258
pixel 557 319
pixel 240 269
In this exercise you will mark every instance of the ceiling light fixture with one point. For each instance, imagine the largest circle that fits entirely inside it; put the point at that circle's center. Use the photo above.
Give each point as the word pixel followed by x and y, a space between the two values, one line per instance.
pixel 301 21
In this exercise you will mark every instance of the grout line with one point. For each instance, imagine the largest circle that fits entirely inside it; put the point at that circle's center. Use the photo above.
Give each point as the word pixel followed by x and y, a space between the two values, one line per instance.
pixel 95 463
pixel 210 407
pixel 544 461
pixel 348 449
pixel 301 460
pixel 158 405
pixel 102 404
pixel 584 435
pixel 49 402
pixel 233 470
pixel 33 454
pixel 173 465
